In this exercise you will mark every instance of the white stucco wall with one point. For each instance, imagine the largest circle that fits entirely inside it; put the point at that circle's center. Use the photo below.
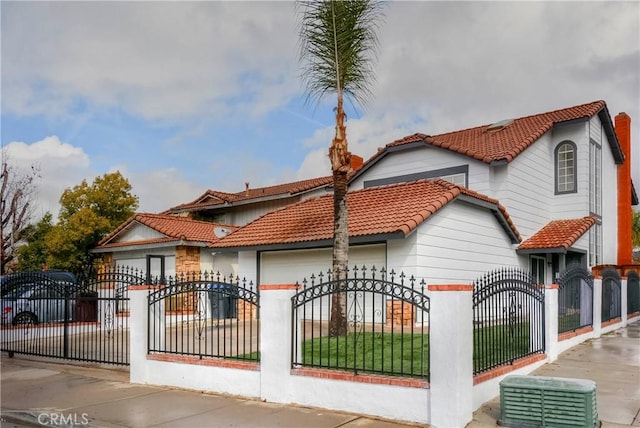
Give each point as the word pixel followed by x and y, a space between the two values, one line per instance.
pixel 137 259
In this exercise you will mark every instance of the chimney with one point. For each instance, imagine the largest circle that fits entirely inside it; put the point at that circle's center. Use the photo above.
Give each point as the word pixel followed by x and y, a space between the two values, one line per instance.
pixel 625 246
pixel 246 188
pixel 356 162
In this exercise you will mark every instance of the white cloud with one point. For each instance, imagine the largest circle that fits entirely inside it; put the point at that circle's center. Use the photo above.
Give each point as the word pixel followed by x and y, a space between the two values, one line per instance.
pixel 61 165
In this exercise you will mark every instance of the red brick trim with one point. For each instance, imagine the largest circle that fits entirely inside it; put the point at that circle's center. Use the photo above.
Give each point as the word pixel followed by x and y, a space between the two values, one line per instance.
pixel 450 287
pixel 633 315
pixel 362 378
pixel 503 370
pixel 610 322
pixel 267 287
pixel 553 286
pixel 205 361
pixel 145 287
pixel 570 334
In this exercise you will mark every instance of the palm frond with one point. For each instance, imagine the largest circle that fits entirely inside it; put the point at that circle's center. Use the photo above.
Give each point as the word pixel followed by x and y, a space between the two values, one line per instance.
pixel 338 47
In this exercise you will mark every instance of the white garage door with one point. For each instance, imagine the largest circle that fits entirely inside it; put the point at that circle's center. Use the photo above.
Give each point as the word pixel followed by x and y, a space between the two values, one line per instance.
pixel 289 267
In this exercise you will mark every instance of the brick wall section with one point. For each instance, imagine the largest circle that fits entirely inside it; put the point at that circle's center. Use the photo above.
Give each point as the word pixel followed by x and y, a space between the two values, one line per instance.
pixel 400 313
pixel 247 310
pixel 187 262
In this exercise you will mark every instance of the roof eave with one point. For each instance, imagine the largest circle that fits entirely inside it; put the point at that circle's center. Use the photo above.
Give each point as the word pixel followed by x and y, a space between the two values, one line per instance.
pixel 135 247
pixel 320 243
pixel 610 132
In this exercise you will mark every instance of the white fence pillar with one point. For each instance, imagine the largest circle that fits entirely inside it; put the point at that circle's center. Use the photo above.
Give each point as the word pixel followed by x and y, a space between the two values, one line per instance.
pixel 451 354
pixel 551 321
pixel 623 300
pixel 275 341
pixel 138 330
pixel 597 306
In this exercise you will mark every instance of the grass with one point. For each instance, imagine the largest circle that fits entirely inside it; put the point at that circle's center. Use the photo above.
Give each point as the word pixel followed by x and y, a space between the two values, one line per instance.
pixel 495 345
pixel 398 354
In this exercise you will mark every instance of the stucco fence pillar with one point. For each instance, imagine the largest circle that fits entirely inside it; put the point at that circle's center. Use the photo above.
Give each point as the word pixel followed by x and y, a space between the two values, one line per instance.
pixel 275 341
pixel 551 321
pixel 139 331
pixel 451 354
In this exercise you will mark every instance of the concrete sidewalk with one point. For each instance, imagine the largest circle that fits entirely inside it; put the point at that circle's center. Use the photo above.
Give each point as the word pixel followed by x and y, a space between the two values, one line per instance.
pixel 43 393
pixel 612 361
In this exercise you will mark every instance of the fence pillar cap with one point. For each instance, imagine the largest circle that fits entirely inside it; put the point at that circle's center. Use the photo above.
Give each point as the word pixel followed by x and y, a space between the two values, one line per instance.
pixel 450 287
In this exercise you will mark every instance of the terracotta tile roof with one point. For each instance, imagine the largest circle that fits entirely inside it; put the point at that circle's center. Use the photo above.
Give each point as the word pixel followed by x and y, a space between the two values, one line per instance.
pixel 395 209
pixel 212 197
pixel 172 227
pixel 503 143
pixel 558 234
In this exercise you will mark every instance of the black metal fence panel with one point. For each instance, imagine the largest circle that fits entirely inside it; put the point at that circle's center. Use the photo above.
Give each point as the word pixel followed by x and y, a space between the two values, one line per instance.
pixel 611 295
pixel 386 323
pixel 575 298
pixel 633 292
pixel 508 318
pixel 83 318
pixel 206 315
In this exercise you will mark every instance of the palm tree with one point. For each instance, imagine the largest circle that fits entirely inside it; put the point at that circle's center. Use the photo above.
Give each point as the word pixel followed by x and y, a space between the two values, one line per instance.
pixel 338 45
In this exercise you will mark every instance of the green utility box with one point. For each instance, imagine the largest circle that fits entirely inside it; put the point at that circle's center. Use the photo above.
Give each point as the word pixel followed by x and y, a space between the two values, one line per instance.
pixel 537 401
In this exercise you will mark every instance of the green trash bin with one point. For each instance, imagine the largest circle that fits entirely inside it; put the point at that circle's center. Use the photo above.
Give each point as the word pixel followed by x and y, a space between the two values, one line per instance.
pixel 550 402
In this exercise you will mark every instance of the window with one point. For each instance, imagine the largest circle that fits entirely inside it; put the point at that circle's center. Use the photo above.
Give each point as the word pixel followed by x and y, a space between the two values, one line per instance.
pixel 595 178
pixel 565 159
pixel 595 244
pixel 537 268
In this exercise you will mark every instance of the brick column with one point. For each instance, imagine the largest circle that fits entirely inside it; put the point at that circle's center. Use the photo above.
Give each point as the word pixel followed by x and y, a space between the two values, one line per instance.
pixel 451 354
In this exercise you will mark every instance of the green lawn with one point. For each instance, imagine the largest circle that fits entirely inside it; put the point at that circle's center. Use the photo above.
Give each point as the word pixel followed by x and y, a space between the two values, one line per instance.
pixel 399 354
pixel 495 345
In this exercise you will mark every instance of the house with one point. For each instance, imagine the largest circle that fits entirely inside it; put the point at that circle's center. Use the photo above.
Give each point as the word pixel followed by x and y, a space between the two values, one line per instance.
pixel 554 176
pixel 166 245
pixel 180 239
pixel 539 192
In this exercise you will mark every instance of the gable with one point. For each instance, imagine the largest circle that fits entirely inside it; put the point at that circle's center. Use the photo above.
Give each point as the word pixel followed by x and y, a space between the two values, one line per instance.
pixel 137 232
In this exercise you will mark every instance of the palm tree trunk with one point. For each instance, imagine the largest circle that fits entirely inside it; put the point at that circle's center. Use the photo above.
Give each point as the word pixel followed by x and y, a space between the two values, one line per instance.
pixel 340 164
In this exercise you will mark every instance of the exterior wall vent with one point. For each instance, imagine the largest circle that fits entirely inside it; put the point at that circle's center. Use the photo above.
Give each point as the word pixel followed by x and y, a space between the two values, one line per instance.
pixel 536 401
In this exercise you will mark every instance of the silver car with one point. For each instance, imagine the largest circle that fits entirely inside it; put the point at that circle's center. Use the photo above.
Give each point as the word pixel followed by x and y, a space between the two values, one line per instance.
pixel 36 304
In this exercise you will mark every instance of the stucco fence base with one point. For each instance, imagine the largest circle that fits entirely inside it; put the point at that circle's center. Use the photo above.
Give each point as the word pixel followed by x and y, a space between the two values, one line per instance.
pixel 448 399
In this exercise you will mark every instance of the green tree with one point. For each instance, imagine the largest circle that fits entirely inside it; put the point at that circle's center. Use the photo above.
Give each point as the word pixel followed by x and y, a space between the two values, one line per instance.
pixel 87 214
pixel 33 255
pixel 338 46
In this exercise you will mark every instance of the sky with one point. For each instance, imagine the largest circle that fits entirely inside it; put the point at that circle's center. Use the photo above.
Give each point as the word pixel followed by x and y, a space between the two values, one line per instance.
pixel 181 97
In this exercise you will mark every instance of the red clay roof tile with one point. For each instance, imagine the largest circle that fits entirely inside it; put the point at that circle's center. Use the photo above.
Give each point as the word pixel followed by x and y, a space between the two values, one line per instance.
pixel 173 227
pixel 558 234
pixel 506 142
pixel 397 208
pixel 212 197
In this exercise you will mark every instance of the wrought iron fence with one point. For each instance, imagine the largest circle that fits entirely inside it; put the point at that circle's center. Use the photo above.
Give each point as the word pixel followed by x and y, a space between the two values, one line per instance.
pixel 384 317
pixel 575 298
pixel 633 292
pixel 611 295
pixel 60 315
pixel 508 318
pixel 206 315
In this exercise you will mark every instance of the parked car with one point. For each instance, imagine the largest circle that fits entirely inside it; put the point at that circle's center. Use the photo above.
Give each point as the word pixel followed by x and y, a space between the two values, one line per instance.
pixel 22 280
pixel 36 304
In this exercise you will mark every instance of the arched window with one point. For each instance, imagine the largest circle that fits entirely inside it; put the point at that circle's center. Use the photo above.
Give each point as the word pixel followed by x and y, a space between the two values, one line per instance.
pixel 565 162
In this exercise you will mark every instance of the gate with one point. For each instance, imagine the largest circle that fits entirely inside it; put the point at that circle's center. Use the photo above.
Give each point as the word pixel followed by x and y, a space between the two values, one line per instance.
pixel 83 320
pixel 633 292
pixel 508 318
pixel 205 315
pixel 575 298
pixel 611 295
pixel 387 324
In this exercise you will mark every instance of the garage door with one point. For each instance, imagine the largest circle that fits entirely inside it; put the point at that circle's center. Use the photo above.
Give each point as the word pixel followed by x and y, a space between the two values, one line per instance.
pixel 289 267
